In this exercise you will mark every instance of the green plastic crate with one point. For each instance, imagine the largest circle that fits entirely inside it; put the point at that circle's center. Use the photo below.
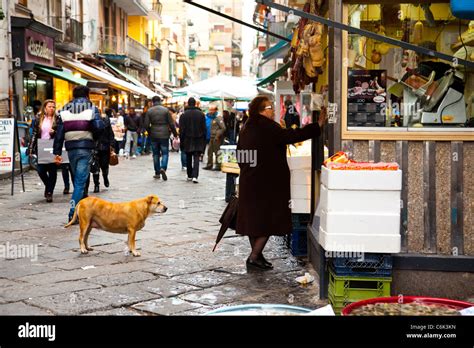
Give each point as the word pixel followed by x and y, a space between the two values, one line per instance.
pixel 337 304
pixel 351 289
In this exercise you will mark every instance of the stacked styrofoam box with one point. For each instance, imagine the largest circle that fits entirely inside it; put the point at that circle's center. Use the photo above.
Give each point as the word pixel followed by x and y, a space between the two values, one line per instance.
pixel 360 210
pixel 300 170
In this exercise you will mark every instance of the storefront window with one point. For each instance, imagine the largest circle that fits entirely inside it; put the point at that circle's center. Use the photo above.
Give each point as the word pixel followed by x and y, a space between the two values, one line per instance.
pixel 389 87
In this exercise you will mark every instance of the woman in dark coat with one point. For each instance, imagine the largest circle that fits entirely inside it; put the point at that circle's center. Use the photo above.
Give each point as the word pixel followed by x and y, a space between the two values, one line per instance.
pixel 264 192
pixel 192 132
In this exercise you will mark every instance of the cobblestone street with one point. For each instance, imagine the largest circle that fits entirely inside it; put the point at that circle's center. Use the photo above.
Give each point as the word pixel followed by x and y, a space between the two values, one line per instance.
pixel 177 273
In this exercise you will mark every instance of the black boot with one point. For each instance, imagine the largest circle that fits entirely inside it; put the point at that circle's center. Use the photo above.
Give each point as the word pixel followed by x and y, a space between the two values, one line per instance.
pixel 96 188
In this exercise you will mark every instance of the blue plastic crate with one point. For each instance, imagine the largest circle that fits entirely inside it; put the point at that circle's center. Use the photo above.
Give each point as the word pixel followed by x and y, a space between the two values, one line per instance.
pixel 376 265
pixel 298 242
pixel 300 220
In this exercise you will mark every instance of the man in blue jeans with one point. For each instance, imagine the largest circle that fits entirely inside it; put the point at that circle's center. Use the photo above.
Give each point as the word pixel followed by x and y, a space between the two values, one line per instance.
pixel 159 123
pixel 79 123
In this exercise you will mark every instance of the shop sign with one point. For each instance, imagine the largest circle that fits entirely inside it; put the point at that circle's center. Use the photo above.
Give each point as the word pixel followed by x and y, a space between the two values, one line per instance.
pixel 39 48
pixel 6 144
pixel 332 113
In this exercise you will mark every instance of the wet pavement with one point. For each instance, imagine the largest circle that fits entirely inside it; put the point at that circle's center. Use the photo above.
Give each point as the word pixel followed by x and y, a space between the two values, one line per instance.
pixel 177 274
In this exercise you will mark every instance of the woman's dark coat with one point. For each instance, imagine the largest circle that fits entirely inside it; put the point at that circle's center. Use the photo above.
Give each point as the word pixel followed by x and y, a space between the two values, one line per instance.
pixel 192 130
pixel 264 189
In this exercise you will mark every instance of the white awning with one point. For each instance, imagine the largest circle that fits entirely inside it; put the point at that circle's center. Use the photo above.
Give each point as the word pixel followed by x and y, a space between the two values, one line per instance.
pixel 161 90
pixel 103 75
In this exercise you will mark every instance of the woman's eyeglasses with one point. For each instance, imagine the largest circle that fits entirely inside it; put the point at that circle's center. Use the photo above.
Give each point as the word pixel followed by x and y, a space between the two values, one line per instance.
pixel 269 107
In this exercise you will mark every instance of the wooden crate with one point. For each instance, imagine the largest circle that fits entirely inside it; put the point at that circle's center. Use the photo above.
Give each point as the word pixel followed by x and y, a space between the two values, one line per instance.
pixel 231 168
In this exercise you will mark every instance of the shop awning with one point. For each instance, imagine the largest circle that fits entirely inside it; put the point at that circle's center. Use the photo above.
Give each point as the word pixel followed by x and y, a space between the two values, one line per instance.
pixel 274 76
pixel 161 90
pixel 278 51
pixel 107 77
pixel 129 77
pixel 63 75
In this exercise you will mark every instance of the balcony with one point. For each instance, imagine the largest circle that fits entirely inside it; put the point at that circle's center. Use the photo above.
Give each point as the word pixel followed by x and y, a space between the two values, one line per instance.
pixel 72 37
pixel 133 7
pixel 155 10
pixel 155 53
pixel 280 29
pixel 137 51
pixel 110 44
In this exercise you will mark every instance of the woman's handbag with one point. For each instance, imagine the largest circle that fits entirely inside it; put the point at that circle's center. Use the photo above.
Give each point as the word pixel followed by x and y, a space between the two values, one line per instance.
pixel 113 161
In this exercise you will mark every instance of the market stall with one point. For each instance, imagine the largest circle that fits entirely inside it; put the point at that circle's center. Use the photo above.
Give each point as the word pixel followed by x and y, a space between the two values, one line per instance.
pixel 401 89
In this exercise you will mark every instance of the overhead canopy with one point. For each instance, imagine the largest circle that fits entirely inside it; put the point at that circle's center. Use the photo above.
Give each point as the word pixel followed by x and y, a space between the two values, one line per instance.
pixel 221 87
pixel 280 50
pixel 63 75
pixel 162 91
pixel 274 76
pixel 129 77
pixel 107 77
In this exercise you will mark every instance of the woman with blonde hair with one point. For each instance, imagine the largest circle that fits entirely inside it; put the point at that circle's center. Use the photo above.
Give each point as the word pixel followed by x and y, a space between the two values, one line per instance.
pixel 44 128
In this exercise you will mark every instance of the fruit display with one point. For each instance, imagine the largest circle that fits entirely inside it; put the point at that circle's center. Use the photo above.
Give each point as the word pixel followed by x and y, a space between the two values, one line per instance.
pixel 341 161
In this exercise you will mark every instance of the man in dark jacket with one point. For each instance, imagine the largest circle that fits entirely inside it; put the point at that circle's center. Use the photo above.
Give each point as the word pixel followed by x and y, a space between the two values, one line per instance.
pixel 79 123
pixel 192 128
pixel 158 123
pixel 132 124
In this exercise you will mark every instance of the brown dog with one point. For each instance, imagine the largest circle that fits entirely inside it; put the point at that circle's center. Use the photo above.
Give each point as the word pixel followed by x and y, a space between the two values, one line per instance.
pixel 128 217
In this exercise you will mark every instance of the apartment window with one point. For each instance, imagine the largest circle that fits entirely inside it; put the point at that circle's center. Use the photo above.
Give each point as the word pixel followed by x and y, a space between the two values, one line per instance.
pixel 219 28
pixel 204 73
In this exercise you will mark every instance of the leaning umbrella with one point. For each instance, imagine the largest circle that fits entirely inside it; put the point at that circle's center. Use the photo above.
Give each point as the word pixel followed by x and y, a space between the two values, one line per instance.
pixel 228 219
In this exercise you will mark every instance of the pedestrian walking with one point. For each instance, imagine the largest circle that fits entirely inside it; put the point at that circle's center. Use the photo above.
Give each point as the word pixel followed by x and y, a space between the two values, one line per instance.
pixel 132 123
pixel 118 127
pixel 268 179
pixel 159 125
pixel 79 122
pixel 44 126
pixel 103 147
pixel 215 133
pixel 192 127
pixel 230 121
pixel 176 143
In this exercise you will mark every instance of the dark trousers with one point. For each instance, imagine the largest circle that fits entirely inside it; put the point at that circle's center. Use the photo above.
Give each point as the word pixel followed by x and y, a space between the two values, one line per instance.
pixel 192 164
pixel 212 151
pixel 48 174
pixel 104 159
pixel 66 169
pixel 230 186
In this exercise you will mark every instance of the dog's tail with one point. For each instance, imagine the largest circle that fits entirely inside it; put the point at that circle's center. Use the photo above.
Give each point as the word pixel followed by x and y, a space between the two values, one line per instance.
pixel 74 217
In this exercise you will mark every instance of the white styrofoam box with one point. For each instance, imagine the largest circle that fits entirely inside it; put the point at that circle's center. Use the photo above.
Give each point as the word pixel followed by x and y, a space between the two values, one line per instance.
pixel 301 177
pixel 368 243
pixel 359 201
pixel 300 191
pixel 360 223
pixel 299 162
pixel 385 180
pixel 301 206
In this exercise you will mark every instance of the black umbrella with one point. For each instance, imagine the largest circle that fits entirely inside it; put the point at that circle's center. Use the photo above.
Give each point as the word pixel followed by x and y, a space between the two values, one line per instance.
pixel 228 219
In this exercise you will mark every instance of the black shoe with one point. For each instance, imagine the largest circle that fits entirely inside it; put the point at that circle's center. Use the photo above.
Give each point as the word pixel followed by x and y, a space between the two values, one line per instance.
pixel 49 197
pixel 66 191
pixel 269 264
pixel 207 168
pixel 96 189
pixel 216 169
pixel 257 264
pixel 106 182
pixel 163 174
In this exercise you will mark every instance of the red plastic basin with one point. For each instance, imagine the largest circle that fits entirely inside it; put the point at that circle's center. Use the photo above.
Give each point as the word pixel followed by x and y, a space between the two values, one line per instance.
pixel 408 299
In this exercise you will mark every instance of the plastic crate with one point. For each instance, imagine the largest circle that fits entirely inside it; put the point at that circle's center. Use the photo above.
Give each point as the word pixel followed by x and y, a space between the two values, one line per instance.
pixel 300 221
pixel 352 289
pixel 337 303
pixel 372 265
pixel 298 242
